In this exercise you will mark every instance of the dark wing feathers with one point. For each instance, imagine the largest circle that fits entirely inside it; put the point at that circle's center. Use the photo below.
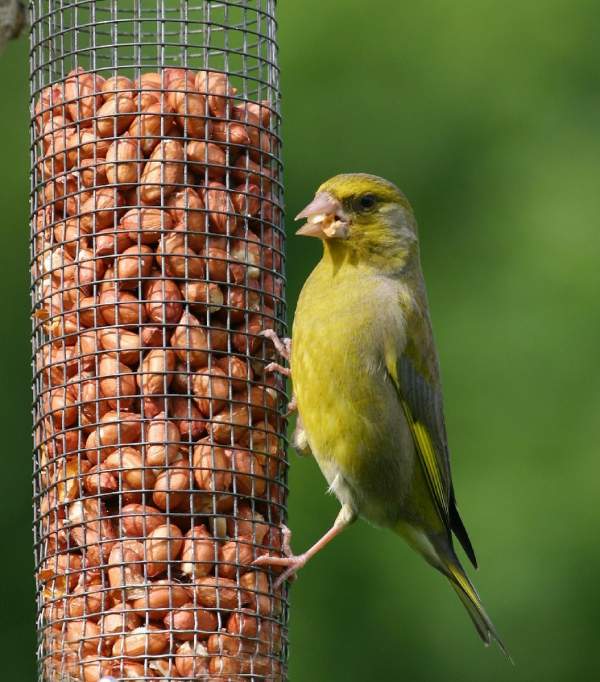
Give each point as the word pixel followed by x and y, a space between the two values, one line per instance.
pixel 458 528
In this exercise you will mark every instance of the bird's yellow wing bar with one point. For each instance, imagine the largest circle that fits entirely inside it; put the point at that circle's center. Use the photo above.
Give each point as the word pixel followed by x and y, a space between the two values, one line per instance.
pixel 428 457
pixel 423 441
pixel 416 379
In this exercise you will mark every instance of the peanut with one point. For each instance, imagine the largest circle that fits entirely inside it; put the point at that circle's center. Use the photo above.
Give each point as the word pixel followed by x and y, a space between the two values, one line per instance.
pixel 111 241
pixel 117 86
pixel 224 666
pixel 128 464
pixel 211 468
pixel 256 586
pixel 117 621
pixel 188 620
pixel 163 172
pixel 187 417
pixel 115 115
pixel 199 552
pixel 84 636
pixel 82 95
pixel 219 593
pixel 202 296
pixel 152 123
pixel 206 158
pixel 139 520
pixel 211 389
pixel 247 522
pixel 186 209
pixel 117 381
pixel 122 166
pixel 101 210
pixel 171 487
pixel 163 545
pixel 239 372
pixel 125 569
pixel 191 661
pixel 89 599
pixel 146 224
pixel 162 442
pixel 249 474
pixel 163 301
pixel 97 481
pixel 215 86
pixel 230 133
pixel 49 104
pixel 159 598
pixel 133 264
pixel 113 428
pixel 190 341
pixel 230 425
pixel 222 216
pixel 179 260
pixel 190 106
pixel 123 343
pixel 149 640
pixel 235 557
pixel 156 372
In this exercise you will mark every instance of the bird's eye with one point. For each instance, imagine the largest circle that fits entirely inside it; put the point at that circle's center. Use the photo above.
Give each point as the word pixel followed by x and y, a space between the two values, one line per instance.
pixel 366 202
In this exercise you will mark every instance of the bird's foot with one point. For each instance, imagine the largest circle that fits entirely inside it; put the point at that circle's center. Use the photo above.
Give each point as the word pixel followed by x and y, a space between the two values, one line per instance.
pixel 288 559
pixel 291 563
pixel 282 346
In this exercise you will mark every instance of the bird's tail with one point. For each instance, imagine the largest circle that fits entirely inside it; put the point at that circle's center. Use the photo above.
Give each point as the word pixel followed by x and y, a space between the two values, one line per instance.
pixel 469 597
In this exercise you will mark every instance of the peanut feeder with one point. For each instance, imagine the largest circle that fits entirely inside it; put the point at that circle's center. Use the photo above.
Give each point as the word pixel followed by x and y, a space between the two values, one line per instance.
pixel 157 261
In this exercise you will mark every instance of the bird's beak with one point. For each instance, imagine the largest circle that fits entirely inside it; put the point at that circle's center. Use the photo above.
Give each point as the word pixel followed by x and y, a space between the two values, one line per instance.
pixel 325 218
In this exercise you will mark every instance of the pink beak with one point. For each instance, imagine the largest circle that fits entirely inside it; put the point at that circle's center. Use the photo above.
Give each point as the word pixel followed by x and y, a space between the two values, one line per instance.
pixel 325 218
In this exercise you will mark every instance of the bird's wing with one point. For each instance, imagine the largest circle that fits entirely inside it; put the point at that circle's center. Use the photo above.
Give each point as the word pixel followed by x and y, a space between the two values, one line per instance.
pixel 415 374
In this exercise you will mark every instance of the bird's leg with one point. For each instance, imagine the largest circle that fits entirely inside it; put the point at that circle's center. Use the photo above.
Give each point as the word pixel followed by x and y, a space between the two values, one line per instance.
pixel 284 348
pixel 294 563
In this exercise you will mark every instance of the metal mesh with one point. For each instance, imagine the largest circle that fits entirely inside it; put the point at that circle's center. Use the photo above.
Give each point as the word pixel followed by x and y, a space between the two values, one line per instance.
pixel 156 261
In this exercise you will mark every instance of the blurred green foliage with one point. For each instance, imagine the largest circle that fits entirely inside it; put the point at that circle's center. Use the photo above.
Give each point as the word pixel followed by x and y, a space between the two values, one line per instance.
pixel 486 115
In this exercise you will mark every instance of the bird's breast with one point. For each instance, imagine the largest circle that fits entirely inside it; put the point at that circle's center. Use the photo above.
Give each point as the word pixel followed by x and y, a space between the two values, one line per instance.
pixel 348 405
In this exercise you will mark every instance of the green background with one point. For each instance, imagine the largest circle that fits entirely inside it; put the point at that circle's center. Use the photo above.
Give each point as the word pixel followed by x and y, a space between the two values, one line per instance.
pixel 486 114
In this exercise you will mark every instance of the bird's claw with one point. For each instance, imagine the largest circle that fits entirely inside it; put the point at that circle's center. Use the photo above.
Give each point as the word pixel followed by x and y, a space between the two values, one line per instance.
pixel 282 346
pixel 280 369
pixel 288 556
pixel 292 406
pixel 286 539
pixel 292 564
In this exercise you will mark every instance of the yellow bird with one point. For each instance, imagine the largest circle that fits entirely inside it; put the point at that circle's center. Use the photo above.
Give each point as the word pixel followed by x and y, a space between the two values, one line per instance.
pixel 366 380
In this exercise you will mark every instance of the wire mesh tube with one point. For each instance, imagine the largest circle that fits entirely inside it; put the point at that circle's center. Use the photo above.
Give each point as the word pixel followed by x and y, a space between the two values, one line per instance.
pixel 157 260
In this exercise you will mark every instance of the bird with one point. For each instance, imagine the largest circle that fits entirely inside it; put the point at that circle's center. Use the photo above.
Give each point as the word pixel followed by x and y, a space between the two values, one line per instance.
pixel 366 382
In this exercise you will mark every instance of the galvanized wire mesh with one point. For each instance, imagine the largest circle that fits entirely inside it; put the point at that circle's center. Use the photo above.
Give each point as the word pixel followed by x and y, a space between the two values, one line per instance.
pixel 156 261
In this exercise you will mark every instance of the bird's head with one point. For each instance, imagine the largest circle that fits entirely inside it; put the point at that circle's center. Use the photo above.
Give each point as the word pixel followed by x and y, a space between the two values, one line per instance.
pixel 363 217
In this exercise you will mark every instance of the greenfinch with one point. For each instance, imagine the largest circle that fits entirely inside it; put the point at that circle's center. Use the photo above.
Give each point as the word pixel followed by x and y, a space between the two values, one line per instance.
pixel 366 380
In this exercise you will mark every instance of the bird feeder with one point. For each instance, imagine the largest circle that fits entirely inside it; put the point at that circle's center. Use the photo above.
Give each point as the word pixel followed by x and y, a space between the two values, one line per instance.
pixel 156 265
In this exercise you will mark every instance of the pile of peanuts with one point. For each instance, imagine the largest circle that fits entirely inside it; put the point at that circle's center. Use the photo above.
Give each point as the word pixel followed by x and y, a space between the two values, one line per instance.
pixel 160 466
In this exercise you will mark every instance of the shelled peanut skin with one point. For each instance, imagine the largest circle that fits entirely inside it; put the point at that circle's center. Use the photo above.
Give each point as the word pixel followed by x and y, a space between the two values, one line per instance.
pixel 160 468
